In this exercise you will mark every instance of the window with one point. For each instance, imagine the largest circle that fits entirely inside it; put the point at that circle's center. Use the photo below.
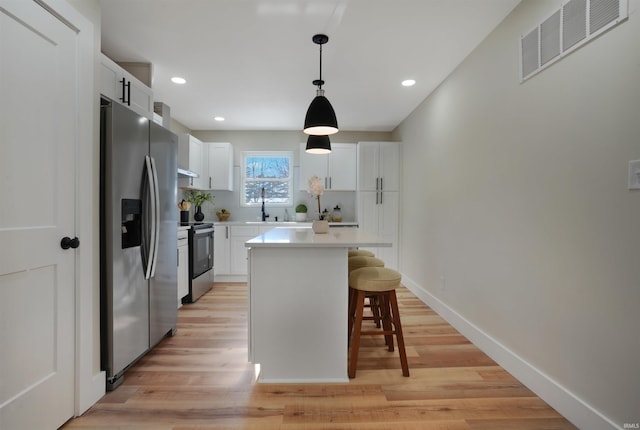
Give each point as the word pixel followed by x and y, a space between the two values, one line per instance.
pixel 271 171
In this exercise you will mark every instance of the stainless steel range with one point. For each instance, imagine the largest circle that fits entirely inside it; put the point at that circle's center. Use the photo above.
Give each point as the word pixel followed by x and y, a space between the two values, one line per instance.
pixel 200 261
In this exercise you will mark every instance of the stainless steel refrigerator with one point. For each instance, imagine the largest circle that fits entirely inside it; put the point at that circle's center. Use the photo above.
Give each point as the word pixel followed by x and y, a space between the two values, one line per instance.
pixel 138 232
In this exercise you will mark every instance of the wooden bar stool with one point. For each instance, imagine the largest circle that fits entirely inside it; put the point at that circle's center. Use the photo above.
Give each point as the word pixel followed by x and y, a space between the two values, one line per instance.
pixel 358 262
pixel 381 283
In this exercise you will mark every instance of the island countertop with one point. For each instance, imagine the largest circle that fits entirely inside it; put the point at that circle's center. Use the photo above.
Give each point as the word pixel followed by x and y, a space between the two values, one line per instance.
pixel 304 237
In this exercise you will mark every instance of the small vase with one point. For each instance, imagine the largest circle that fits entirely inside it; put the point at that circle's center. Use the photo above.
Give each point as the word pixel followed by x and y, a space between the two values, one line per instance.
pixel 198 216
pixel 320 226
pixel 301 216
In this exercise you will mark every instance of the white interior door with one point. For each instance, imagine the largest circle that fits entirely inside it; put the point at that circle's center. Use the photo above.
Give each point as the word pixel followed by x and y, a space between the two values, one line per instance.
pixel 37 205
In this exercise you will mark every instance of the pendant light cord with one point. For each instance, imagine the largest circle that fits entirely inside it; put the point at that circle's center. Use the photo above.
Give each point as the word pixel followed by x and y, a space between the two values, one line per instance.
pixel 321 81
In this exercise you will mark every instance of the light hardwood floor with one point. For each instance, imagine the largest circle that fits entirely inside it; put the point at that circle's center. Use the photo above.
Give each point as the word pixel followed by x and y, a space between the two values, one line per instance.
pixel 200 380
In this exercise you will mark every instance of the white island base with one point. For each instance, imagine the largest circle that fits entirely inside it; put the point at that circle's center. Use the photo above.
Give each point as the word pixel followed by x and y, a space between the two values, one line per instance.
pixel 298 298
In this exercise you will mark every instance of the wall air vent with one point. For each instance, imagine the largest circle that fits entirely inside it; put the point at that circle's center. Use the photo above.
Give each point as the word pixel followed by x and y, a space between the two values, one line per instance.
pixel 550 38
pixel 575 24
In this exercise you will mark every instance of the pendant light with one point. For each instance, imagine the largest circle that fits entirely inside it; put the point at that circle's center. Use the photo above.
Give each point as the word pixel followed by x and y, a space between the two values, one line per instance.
pixel 318 144
pixel 321 118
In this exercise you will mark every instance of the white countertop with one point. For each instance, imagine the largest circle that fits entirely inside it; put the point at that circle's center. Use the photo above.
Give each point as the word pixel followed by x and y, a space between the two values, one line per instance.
pixel 304 237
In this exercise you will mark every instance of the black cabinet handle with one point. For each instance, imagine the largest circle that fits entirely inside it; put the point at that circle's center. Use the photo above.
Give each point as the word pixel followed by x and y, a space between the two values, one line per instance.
pixel 126 96
pixel 129 93
pixel 67 243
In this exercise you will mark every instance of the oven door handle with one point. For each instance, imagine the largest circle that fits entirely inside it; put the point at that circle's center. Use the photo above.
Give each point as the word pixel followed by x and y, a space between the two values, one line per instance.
pixel 203 231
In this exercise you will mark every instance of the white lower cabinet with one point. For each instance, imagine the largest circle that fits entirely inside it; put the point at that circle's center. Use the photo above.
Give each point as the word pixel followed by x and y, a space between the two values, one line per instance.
pixel 230 255
pixel 238 255
pixel 183 265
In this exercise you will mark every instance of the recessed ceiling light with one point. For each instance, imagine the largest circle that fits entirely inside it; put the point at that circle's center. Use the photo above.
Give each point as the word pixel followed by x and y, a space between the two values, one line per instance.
pixel 178 80
pixel 408 83
pixel 218 118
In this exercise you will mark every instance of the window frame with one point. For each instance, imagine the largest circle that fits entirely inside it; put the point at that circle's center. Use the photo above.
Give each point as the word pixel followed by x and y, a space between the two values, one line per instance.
pixel 244 179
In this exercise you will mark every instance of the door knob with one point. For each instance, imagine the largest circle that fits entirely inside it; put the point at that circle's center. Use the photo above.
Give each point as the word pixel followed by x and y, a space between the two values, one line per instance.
pixel 67 243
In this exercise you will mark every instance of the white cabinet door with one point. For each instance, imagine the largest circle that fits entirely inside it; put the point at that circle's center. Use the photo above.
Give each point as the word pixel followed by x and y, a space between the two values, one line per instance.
pixel 368 163
pixel 338 169
pixel 122 87
pixel 368 211
pixel 191 156
pixel 378 166
pixel 378 214
pixel 221 250
pixel 312 165
pixel 239 253
pixel 39 52
pixel 343 167
pixel 220 166
pixel 388 211
pixel 389 166
pixel 183 265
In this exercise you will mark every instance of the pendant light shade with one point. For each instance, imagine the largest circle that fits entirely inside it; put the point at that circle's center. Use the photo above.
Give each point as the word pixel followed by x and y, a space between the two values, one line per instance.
pixel 318 144
pixel 320 118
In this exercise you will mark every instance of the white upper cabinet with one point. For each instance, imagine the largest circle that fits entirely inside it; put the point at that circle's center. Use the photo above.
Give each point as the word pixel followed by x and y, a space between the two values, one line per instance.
pixel 378 166
pixel 122 87
pixel 220 165
pixel 337 169
pixel 191 157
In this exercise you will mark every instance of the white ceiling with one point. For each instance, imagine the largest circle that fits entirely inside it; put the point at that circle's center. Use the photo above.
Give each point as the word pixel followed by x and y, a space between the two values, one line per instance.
pixel 253 61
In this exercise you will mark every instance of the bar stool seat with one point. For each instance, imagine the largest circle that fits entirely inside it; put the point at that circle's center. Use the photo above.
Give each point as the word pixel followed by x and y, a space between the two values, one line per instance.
pixel 380 283
pixel 358 262
pixel 360 253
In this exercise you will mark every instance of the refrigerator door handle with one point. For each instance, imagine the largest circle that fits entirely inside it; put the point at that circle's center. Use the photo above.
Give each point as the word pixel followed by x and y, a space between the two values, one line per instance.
pixel 155 223
pixel 149 242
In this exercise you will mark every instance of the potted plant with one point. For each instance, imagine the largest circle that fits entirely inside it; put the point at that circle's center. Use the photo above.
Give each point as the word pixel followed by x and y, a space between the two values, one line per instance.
pixel 301 212
pixel 198 198
pixel 223 214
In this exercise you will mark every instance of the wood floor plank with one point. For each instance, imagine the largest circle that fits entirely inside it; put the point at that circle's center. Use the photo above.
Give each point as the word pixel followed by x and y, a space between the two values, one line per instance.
pixel 200 379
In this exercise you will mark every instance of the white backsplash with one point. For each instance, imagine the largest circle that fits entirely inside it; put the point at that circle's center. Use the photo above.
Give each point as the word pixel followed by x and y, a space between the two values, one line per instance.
pixel 230 200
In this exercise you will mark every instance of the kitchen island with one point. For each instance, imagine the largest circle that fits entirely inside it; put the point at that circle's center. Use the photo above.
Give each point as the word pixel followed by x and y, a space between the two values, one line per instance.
pixel 298 296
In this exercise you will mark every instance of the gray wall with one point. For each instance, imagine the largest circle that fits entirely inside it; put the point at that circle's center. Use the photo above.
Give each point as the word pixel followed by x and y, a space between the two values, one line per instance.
pixel 519 219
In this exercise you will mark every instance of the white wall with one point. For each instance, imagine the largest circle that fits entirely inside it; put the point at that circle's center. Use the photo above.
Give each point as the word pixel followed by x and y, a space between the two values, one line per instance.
pixel 520 223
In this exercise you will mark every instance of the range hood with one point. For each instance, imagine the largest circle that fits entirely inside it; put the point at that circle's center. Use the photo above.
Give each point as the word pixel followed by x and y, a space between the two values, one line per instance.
pixel 188 173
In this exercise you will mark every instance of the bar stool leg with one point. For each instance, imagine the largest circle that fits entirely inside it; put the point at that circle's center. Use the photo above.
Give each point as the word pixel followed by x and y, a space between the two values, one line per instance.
pixel 374 304
pixel 352 312
pixel 398 330
pixel 357 326
pixel 387 321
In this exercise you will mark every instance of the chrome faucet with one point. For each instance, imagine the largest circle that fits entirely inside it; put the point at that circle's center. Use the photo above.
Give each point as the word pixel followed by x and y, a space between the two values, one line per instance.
pixel 264 214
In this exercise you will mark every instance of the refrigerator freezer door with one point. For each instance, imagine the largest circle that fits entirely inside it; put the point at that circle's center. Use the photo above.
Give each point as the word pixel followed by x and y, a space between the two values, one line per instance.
pixel 163 313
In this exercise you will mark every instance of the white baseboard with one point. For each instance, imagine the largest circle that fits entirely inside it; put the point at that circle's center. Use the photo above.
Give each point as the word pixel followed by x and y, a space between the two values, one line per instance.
pixel 230 278
pixel 581 414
